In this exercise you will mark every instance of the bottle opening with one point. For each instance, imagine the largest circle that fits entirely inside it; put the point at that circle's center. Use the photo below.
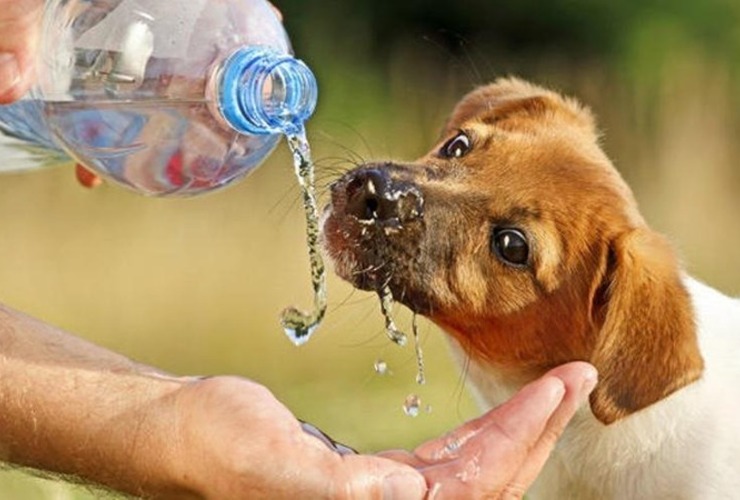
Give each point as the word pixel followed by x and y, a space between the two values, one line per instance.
pixel 262 92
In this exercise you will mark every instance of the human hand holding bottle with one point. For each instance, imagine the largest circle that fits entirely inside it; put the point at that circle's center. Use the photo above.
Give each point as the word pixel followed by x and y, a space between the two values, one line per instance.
pixel 20 21
pixel 19 24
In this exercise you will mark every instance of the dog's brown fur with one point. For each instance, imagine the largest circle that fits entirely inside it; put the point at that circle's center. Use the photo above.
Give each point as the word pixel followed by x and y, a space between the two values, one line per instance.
pixel 600 286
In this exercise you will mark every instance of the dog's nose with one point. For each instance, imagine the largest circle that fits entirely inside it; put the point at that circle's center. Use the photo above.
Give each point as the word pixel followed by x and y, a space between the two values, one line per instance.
pixel 368 195
pixel 372 195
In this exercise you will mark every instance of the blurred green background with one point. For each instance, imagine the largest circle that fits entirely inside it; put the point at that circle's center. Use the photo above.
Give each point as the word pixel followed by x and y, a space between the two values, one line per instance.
pixel 195 286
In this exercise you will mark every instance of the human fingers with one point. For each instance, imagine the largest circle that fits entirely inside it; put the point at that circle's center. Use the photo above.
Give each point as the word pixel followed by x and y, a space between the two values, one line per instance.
pixel 19 24
pixel 579 379
pixel 277 11
pixel 502 452
pixel 362 476
pixel 334 446
pixel 367 476
pixel 483 462
pixel 236 440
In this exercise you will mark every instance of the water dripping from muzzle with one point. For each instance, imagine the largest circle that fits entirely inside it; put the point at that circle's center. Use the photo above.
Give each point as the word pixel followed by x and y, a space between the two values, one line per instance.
pixel 412 403
pixel 420 377
pixel 386 307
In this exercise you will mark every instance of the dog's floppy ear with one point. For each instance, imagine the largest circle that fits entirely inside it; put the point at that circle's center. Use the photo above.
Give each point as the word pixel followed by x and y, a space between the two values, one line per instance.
pixel 646 347
pixel 508 97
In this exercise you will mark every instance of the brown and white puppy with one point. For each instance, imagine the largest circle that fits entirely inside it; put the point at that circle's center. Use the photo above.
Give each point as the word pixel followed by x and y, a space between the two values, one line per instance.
pixel 518 237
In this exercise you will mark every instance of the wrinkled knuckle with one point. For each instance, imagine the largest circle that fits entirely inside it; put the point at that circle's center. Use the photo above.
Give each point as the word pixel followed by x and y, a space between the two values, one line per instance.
pixel 341 487
pixel 352 480
pixel 551 436
pixel 345 489
pixel 512 491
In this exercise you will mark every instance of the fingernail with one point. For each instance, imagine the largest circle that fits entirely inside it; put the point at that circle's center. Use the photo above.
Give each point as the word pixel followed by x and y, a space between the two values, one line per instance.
pixel 10 72
pixel 590 379
pixel 400 486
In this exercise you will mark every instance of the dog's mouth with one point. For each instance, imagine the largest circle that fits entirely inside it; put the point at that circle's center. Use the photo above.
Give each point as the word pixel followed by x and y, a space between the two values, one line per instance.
pixel 373 230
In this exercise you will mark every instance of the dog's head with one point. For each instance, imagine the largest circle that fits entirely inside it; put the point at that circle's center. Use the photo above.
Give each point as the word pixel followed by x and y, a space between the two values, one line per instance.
pixel 518 237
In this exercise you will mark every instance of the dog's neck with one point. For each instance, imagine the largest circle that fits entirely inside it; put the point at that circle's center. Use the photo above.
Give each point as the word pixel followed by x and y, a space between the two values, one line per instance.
pixel 526 344
pixel 502 357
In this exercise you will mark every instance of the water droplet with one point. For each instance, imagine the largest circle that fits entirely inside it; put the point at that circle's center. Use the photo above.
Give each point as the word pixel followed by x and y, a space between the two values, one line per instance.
pixel 297 332
pixel 381 367
pixel 470 471
pixel 411 405
pixel 386 307
pixel 300 325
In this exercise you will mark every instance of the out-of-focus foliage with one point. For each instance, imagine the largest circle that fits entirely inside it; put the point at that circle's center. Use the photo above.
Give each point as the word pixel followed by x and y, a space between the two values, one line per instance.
pixel 577 28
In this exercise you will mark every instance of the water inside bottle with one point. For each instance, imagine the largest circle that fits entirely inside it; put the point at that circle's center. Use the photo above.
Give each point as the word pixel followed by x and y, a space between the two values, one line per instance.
pixel 300 325
pixel 157 146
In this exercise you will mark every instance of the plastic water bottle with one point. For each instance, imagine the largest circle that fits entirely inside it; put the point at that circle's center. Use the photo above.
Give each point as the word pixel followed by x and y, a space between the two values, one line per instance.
pixel 167 97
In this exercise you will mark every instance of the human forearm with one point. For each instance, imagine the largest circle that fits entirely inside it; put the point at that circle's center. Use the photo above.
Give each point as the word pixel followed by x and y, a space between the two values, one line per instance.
pixel 71 407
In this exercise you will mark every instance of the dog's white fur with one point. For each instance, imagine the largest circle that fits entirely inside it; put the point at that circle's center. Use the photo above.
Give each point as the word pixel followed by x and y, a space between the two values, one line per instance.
pixel 686 446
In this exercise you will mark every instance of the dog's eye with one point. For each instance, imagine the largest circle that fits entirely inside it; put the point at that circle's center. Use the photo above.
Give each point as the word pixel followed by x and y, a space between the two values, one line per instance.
pixel 457 147
pixel 511 246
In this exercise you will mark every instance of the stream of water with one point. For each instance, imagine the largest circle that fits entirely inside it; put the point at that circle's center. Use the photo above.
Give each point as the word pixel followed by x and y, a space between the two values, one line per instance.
pixel 300 325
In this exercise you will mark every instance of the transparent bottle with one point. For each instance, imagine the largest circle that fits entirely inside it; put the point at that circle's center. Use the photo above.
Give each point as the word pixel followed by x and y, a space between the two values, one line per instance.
pixel 167 97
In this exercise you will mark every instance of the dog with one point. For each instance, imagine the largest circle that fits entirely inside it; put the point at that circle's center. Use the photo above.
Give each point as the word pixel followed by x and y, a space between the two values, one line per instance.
pixel 518 237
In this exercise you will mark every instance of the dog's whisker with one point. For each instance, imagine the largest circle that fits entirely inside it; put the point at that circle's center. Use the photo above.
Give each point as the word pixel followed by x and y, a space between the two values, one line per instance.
pixel 339 160
pixel 357 134
pixel 372 268
pixel 351 300
pixel 470 67
pixel 462 379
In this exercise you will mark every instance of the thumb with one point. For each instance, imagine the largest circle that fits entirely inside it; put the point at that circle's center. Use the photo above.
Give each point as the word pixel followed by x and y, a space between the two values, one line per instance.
pixel 366 476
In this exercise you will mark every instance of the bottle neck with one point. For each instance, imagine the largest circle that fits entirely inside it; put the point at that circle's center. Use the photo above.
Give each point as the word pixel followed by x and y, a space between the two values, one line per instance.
pixel 261 92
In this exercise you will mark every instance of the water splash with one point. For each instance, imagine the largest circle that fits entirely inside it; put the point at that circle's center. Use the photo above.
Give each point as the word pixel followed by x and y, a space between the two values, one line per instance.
pixel 411 405
pixel 300 325
pixel 380 367
pixel 471 471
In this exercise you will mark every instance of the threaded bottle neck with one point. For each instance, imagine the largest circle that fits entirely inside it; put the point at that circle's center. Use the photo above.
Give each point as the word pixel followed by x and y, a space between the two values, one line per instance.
pixel 261 92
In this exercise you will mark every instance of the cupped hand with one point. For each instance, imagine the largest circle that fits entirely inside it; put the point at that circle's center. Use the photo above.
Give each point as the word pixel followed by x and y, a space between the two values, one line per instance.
pixel 236 440
pixel 500 454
